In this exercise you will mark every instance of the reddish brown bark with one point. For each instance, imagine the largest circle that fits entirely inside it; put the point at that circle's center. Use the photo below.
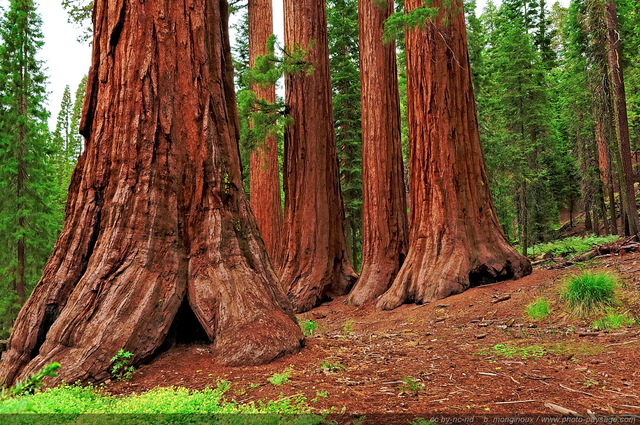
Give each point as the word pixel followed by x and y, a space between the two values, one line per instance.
pixel 627 189
pixel 264 172
pixel 384 232
pixel 315 261
pixel 157 218
pixel 455 240
pixel 606 172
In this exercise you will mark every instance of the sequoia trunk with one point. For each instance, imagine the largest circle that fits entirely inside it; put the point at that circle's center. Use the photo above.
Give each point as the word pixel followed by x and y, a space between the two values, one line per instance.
pixel 385 231
pixel 455 240
pixel 315 260
pixel 265 176
pixel 627 189
pixel 156 218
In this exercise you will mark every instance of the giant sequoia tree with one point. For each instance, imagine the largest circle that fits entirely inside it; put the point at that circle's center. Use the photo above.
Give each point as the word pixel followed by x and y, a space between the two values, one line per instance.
pixel 455 240
pixel 315 262
pixel 158 230
pixel 385 233
pixel 265 175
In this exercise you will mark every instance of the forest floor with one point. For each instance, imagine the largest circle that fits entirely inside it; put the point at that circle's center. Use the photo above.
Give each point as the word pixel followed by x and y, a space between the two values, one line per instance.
pixel 477 353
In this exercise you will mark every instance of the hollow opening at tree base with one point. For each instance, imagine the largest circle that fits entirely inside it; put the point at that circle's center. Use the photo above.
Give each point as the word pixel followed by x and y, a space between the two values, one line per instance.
pixel 185 329
pixel 484 275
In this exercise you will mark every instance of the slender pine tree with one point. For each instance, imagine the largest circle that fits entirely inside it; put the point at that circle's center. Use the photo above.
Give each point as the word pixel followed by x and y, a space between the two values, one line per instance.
pixel 29 218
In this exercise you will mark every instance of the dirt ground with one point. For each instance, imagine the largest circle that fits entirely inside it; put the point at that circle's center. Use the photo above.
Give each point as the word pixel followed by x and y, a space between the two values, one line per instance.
pixel 446 350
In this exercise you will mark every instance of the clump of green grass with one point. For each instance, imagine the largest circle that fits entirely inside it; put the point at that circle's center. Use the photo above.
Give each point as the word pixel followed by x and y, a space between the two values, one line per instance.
pixel 539 309
pixel 589 292
pixel 281 378
pixel 569 247
pixel 613 321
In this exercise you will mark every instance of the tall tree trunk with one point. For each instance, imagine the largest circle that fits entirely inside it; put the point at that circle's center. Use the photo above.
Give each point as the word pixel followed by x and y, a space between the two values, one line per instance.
pixel 523 218
pixel 21 279
pixel 456 240
pixel 156 218
pixel 315 263
pixel 265 174
pixel 606 167
pixel 627 189
pixel 385 229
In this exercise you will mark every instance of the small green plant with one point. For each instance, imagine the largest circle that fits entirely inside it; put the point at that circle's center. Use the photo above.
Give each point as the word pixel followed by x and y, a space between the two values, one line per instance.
pixel 590 291
pixel 32 383
pixel 121 368
pixel 281 378
pixel 613 321
pixel 330 367
pixel 421 421
pixel 322 394
pixel 308 327
pixel 411 385
pixel 510 352
pixel 539 309
pixel 347 328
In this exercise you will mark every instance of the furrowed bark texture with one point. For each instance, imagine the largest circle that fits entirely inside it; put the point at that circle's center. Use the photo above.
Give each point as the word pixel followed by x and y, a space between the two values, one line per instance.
pixel 455 240
pixel 385 235
pixel 627 189
pixel 315 263
pixel 264 172
pixel 156 213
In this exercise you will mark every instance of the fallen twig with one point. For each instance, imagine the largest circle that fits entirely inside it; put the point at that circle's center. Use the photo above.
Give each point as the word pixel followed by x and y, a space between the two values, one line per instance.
pixel 501 299
pixel 622 343
pixel 622 394
pixel 514 402
pixel 563 410
pixel 578 391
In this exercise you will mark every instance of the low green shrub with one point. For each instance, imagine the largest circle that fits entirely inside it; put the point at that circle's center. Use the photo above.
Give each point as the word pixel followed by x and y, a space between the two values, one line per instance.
pixel 32 383
pixel 569 247
pixel 182 404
